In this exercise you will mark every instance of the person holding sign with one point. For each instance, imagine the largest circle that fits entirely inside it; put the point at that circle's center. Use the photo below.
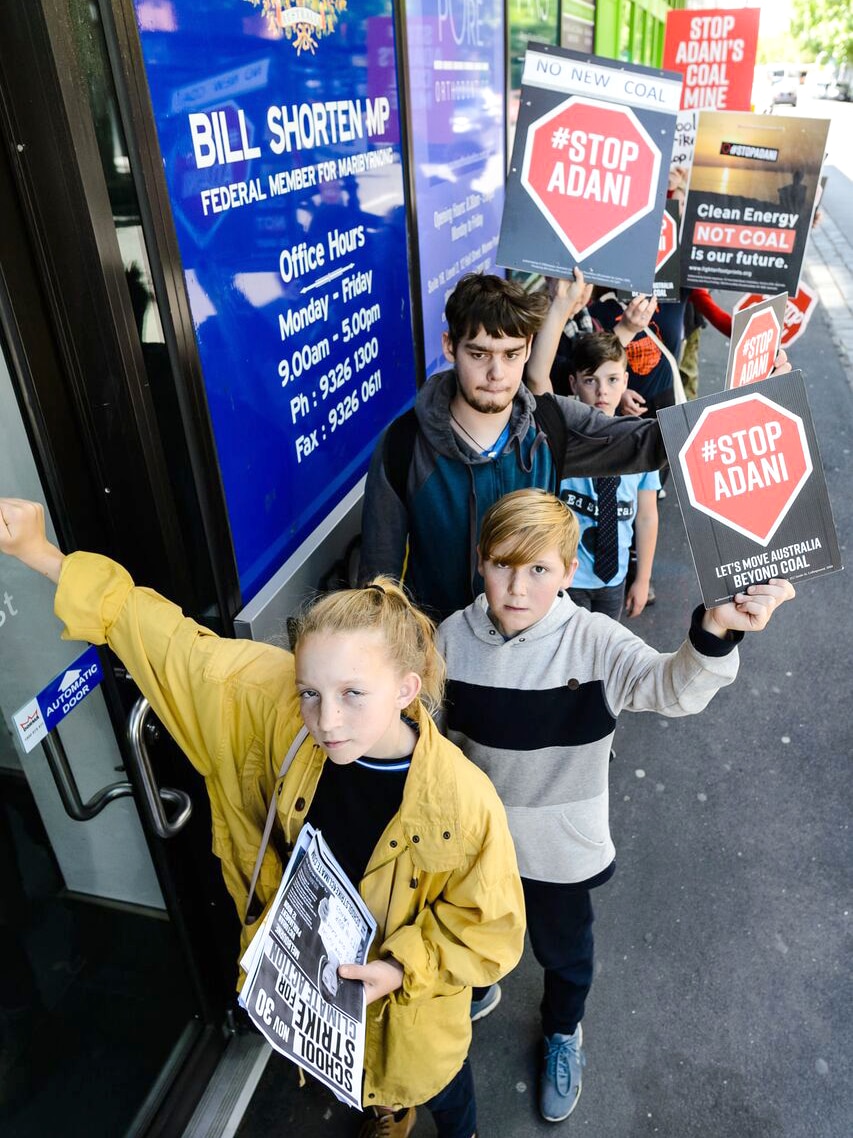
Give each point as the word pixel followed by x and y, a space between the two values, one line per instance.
pixel 474 434
pixel 535 684
pixel 407 816
pixel 613 513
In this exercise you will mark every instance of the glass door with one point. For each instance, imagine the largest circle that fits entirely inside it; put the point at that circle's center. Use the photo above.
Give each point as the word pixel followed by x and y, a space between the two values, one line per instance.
pixel 96 999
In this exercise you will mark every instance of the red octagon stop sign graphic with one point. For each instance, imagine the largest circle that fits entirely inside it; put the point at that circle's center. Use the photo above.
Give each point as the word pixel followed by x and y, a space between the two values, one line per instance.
pixel 592 170
pixel 756 349
pixel 744 464
pixel 668 239
pixel 798 310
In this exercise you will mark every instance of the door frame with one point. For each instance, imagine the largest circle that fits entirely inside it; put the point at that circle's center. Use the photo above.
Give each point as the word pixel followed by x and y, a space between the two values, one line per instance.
pixel 77 366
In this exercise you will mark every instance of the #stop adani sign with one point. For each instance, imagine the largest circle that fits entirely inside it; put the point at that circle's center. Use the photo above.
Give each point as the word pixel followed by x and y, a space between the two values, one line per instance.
pixel 668 242
pixel 744 464
pixel 750 485
pixel 798 311
pixel 587 179
pixel 756 348
pixel 593 170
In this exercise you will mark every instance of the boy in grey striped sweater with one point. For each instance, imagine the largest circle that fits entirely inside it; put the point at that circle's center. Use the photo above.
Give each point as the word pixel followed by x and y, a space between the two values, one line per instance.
pixel 535 684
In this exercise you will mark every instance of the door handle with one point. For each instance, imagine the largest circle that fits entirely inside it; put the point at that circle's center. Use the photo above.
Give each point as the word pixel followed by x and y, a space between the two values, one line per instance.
pixel 152 795
pixel 66 784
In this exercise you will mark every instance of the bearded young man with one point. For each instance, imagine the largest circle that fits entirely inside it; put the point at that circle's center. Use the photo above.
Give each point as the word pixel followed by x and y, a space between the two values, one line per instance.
pixel 475 434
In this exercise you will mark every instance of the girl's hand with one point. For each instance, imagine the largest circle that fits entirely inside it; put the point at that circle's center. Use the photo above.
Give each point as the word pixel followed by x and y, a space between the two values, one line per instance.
pixel 638 313
pixel 631 403
pixel 379 977
pixel 22 535
pixel 751 610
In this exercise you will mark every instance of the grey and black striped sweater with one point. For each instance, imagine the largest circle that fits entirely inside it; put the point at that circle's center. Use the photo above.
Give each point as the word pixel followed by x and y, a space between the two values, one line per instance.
pixel 537 713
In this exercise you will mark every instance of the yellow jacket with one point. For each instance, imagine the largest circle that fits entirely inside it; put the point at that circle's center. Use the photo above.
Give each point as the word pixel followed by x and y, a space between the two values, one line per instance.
pixel 442 882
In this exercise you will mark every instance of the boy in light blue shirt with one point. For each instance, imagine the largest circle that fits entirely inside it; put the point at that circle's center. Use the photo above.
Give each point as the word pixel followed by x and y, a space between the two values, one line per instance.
pixel 613 512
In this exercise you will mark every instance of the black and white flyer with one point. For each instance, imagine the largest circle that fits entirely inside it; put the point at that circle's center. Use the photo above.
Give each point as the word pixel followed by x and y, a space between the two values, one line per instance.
pixel 751 486
pixel 293 993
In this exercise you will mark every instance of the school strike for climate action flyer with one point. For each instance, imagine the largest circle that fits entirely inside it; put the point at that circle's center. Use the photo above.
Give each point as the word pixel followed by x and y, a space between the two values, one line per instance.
pixel 750 486
pixel 293 993
pixel 588 175
pixel 750 201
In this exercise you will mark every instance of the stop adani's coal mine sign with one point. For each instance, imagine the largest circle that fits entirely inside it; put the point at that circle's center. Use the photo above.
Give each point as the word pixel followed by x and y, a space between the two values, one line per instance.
pixel 589 168
pixel 715 52
pixel 750 486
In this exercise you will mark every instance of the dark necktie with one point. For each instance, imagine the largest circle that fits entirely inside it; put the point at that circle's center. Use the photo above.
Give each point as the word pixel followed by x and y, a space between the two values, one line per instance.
pixel 606 560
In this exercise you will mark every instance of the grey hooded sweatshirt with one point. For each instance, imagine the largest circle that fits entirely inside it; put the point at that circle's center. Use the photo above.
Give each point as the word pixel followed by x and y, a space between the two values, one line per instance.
pixel 537 713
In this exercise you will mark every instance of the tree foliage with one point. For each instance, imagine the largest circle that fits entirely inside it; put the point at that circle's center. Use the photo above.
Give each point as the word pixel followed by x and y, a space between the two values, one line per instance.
pixel 825 27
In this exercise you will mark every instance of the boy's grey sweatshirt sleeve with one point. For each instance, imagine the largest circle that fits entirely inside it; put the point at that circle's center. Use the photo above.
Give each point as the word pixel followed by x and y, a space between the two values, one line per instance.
pixel 384 523
pixel 638 678
pixel 597 444
pixel 440 716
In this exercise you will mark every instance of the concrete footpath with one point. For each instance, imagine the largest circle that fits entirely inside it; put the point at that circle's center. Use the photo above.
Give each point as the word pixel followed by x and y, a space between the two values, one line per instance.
pixel 721 1004
pixel 830 263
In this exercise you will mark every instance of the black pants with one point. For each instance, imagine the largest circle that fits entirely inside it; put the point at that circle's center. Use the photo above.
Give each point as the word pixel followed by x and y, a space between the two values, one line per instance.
pixel 559 921
pixel 608 599
pixel 559 924
pixel 454 1109
pixel 654 404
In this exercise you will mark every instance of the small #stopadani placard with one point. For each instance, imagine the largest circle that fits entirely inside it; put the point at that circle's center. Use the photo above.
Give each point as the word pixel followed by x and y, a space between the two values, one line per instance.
pixel 751 487
pixel 756 338
pixel 38 717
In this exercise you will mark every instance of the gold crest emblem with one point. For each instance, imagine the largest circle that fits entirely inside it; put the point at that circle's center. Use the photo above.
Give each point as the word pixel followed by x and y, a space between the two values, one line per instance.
pixel 303 22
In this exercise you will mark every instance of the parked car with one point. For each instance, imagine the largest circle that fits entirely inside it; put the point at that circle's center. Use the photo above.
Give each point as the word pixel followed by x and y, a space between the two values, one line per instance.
pixel 784 91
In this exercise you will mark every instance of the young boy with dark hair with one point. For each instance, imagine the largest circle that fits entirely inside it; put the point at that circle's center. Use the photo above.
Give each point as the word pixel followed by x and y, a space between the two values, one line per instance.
pixel 535 684
pixel 612 511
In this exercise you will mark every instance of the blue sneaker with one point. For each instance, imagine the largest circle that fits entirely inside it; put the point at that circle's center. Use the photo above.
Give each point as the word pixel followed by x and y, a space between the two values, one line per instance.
pixel 485 1006
pixel 562 1066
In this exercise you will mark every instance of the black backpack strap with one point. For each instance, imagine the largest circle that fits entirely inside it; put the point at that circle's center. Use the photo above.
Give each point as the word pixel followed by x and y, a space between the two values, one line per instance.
pixel 399 448
pixel 549 419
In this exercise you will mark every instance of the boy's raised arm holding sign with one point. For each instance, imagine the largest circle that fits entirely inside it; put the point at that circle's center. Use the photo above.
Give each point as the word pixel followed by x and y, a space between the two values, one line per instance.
pixel 535 684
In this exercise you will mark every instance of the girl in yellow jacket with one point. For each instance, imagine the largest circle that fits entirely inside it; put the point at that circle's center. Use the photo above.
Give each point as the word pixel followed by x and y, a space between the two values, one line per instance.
pixel 418 826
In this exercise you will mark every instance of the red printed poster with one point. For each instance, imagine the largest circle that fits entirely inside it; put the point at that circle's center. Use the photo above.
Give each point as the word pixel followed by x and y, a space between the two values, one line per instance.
pixel 715 52
pixel 798 311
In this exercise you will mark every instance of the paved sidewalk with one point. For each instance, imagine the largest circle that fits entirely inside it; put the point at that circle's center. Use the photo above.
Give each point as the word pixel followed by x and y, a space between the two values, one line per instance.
pixel 829 261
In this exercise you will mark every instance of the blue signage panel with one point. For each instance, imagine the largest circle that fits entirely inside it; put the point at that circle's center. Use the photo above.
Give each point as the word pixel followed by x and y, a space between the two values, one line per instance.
pixel 279 130
pixel 46 710
pixel 458 78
